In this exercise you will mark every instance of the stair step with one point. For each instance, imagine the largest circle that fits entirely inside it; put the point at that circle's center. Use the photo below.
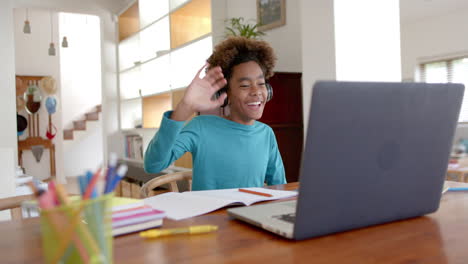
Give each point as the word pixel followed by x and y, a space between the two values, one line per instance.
pixel 68 134
pixel 79 125
pixel 94 116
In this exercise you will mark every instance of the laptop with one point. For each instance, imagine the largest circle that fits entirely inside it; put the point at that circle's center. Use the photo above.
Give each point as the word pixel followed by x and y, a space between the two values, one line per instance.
pixel 374 153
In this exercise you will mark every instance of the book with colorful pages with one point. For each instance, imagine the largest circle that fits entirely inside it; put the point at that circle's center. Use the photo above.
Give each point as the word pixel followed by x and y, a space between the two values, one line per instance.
pixel 136 227
pixel 122 203
pixel 135 219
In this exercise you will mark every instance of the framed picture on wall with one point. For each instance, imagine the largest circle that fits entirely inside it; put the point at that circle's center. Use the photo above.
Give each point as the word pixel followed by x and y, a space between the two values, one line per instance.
pixel 271 14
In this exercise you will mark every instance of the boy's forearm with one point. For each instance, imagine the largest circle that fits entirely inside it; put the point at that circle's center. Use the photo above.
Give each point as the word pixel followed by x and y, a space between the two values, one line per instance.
pixel 182 112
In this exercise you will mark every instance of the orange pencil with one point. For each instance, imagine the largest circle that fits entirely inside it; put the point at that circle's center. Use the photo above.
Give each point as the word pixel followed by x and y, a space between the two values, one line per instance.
pixel 256 193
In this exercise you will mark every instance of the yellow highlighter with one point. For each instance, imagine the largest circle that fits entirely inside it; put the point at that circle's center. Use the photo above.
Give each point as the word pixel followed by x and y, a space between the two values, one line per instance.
pixel 153 233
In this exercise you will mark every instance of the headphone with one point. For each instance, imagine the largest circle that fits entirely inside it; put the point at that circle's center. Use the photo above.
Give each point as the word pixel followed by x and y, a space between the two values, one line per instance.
pixel 226 101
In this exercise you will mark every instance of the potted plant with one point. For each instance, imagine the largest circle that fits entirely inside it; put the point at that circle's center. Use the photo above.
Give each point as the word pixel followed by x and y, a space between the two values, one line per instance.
pixel 237 27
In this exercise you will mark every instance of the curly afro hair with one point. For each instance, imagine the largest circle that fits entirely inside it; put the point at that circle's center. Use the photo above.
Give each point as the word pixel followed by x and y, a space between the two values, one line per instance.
pixel 237 50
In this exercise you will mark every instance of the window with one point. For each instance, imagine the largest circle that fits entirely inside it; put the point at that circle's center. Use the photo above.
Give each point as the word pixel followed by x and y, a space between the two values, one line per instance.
pixel 452 71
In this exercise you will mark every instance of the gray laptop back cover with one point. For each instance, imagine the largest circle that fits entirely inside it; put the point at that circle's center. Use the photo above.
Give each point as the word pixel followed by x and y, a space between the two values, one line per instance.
pixel 375 153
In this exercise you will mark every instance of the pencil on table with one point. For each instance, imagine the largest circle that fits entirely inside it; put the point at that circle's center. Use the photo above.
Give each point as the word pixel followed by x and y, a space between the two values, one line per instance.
pixel 255 192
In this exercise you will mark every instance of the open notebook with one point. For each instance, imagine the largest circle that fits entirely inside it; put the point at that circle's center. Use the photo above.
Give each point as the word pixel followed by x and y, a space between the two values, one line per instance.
pixel 179 206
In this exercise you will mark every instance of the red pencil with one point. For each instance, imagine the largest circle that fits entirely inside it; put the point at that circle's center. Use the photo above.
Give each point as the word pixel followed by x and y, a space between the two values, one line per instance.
pixel 91 184
pixel 254 192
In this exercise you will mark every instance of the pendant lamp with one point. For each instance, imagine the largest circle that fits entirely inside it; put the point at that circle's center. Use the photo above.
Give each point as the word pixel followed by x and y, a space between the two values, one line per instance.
pixel 27 26
pixel 64 42
pixel 52 46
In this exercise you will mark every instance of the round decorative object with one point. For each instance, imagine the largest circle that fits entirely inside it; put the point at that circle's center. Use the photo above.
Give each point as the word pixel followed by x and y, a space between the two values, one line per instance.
pixel 21 123
pixel 51 104
pixel 33 98
pixel 48 85
pixel 19 103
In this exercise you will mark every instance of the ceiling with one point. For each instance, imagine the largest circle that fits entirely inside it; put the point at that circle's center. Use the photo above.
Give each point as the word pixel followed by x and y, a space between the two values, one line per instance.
pixel 414 10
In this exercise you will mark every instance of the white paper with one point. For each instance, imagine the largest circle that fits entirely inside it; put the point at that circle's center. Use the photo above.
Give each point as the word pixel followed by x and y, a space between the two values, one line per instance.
pixel 189 204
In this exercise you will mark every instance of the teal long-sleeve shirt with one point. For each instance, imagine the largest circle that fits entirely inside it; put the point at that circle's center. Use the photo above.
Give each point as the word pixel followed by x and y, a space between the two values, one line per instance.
pixel 225 154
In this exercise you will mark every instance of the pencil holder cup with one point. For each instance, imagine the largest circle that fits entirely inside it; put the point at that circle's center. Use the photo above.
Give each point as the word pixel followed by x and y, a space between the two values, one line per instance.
pixel 80 232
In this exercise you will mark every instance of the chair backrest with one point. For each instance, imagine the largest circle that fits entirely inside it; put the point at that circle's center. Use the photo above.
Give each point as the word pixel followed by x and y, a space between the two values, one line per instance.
pixel 14 204
pixel 170 179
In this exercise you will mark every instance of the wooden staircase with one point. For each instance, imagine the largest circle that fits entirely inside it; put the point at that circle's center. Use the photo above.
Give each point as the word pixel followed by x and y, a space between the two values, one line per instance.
pixel 80 125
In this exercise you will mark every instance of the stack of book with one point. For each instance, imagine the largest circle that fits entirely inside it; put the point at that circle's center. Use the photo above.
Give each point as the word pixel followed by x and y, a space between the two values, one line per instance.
pixel 134 147
pixel 135 216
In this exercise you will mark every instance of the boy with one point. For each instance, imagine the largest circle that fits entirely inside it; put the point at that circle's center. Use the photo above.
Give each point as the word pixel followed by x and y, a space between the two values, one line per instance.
pixel 232 151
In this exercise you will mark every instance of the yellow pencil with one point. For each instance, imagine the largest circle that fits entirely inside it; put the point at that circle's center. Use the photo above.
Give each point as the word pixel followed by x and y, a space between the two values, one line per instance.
pixel 153 233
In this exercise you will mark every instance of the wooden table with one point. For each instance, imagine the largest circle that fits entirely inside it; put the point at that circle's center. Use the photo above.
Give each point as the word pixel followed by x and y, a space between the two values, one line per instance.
pixel 441 237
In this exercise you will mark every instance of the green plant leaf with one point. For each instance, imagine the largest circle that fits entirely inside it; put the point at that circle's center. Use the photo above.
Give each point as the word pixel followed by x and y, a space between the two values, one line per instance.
pixel 230 31
pixel 237 27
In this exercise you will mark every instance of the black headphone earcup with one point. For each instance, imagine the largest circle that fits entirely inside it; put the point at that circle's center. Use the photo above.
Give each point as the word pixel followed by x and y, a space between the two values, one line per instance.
pixel 218 94
pixel 269 92
pixel 226 101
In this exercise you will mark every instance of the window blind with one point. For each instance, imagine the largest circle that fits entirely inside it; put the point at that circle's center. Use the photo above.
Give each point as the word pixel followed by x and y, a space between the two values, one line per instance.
pixel 448 71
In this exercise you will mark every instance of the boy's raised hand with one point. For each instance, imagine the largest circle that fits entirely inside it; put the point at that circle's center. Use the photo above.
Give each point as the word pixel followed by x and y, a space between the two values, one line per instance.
pixel 198 96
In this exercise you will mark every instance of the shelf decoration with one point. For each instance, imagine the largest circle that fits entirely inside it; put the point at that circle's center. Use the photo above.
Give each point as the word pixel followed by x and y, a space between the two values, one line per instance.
pixel 21 124
pixel 51 106
pixel 28 88
pixel 48 85
pixel 33 98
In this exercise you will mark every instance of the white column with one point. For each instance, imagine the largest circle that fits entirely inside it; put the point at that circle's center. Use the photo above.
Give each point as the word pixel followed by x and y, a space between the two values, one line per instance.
pixel 355 40
pixel 7 78
pixel 8 139
pixel 367 39
pixel 318 47
pixel 7 173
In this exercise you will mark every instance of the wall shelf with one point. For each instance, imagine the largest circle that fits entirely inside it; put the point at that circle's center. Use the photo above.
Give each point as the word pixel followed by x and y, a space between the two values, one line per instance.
pixel 162 46
pixel 162 54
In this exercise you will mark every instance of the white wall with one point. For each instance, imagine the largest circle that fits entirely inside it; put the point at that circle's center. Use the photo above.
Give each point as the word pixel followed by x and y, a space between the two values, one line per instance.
pixel 31 53
pixel 218 17
pixel 8 140
pixel 102 8
pixel 438 37
pixel 80 65
pixel 285 40
pixel 85 151
pixel 77 71
pixel 434 38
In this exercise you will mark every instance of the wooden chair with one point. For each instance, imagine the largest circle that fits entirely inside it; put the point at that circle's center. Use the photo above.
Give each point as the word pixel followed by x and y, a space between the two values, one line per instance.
pixel 460 174
pixel 14 204
pixel 170 179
